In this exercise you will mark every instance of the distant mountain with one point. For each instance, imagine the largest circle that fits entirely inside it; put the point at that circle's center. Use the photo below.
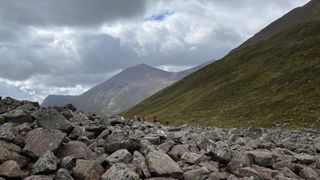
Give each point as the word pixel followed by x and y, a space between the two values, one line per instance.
pixel 273 78
pixel 122 91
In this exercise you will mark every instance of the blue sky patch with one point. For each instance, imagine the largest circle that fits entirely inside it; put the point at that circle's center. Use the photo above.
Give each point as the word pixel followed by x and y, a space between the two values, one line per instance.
pixel 160 16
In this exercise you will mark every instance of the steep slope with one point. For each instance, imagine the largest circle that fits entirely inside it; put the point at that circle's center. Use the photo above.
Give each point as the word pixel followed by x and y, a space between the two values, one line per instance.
pixel 122 91
pixel 273 81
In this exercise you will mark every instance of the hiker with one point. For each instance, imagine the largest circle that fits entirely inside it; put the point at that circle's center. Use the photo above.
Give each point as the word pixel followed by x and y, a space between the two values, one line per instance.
pixel 155 119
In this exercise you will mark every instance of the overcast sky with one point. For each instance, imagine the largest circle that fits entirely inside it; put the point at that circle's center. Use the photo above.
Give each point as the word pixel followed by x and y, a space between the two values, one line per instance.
pixel 67 46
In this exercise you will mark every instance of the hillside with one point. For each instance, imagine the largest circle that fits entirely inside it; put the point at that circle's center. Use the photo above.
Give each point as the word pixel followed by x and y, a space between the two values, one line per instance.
pixel 122 91
pixel 273 81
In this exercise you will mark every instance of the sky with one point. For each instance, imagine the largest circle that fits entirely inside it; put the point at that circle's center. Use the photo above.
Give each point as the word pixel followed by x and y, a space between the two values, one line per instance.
pixel 67 46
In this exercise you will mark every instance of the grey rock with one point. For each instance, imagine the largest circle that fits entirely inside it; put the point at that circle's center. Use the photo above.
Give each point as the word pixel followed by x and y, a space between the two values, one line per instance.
pixel 47 163
pixel 263 158
pixel 160 164
pixel 118 141
pixel 177 151
pixel 63 174
pixel 140 162
pixel 68 162
pixel 309 174
pixel 219 152
pixel 51 119
pixel 120 156
pixel 11 169
pixel 88 169
pixel 76 149
pixel 197 174
pixel 248 172
pixel 39 141
pixel 120 171
pixel 6 132
pixel 191 158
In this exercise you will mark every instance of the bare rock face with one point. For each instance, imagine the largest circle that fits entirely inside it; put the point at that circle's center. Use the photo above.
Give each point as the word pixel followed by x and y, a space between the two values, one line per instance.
pixel 120 171
pixel 51 119
pixel 46 164
pixel 76 149
pixel 11 169
pixel 88 169
pixel 160 164
pixel 41 140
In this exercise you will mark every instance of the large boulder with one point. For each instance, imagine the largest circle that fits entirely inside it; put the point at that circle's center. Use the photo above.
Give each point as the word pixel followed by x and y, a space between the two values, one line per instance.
pixel 51 119
pixel 46 164
pixel 177 151
pixel 192 158
pixel 160 164
pixel 309 174
pixel 42 140
pixel 120 156
pixel 88 169
pixel 21 114
pixel 120 171
pixel 7 132
pixel 119 140
pixel 140 162
pixel 197 174
pixel 219 151
pixel 11 169
pixel 263 158
pixel 76 149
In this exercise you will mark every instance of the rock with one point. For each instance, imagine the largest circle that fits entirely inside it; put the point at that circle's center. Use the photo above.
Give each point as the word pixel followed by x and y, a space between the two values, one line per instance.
pixel 309 174
pixel 21 114
pixel 286 172
pixel 263 158
pixel 39 177
pixel 68 162
pixel 117 141
pixel 254 133
pixel 76 149
pixel 317 146
pixel 219 152
pixel 265 173
pixel 248 172
pixel 88 169
pixel 239 160
pixel 140 162
pixel 177 151
pixel 155 140
pixel 282 164
pixel 197 174
pixel 9 151
pixel 63 174
pixel 47 163
pixel 211 166
pixel 6 132
pixel 41 140
pixel 120 171
pixel 9 104
pixel 191 158
pixel 11 169
pixel 160 164
pixel 120 156
pixel 166 146
pixel 217 176
pixel 51 119
pixel 304 158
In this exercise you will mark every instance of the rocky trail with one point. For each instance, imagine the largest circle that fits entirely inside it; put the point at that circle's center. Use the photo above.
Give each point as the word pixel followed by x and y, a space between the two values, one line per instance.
pixel 63 144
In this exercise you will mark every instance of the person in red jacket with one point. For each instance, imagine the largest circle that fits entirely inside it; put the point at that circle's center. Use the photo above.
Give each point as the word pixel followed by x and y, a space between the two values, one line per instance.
pixel 155 119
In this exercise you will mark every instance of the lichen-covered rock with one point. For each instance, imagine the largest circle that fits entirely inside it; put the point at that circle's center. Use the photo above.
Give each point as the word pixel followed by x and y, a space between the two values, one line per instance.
pixel 140 162
pixel 11 169
pixel 120 156
pixel 219 151
pixel 192 158
pixel 88 169
pixel 76 149
pixel 6 132
pixel 197 174
pixel 51 119
pixel 39 141
pixel 160 164
pixel 63 174
pixel 263 158
pixel 120 171
pixel 47 163
pixel 309 174
pixel 119 140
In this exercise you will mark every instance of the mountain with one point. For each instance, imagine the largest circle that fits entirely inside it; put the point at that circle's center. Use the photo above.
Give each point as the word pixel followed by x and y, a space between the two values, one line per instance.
pixel 273 81
pixel 122 91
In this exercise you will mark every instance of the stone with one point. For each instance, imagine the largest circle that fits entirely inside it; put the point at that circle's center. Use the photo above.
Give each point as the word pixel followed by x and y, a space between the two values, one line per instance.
pixel 197 174
pixel 120 171
pixel 88 169
pixel 120 156
pixel 219 152
pixel 210 165
pixel 52 119
pixel 309 174
pixel 68 162
pixel 39 177
pixel 263 158
pixel 76 149
pixel 63 174
pixel 304 158
pixel 21 114
pixel 11 169
pixel 284 164
pixel 155 140
pixel 166 146
pixel 253 133
pixel 117 141
pixel 47 163
pixel 160 164
pixel 317 146
pixel 286 172
pixel 39 141
pixel 217 176
pixel 248 172
pixel 140 162
pixel 191 158
pixel 6 132
pixel 177 151
pixel 239 160
pixel 265 173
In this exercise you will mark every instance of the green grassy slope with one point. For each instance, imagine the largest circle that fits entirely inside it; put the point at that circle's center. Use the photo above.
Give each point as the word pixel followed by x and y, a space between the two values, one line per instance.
pixel 276 80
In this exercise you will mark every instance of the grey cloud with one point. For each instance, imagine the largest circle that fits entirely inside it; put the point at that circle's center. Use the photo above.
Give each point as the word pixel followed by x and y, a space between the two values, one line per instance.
pixel 68 12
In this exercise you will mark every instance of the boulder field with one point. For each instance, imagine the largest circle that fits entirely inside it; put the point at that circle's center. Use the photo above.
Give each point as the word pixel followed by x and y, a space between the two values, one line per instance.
pixel 63 144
